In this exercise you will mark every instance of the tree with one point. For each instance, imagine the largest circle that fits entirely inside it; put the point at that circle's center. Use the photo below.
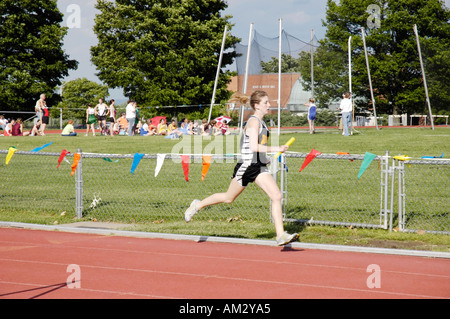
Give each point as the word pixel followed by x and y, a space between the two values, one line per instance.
pixel 162 52
pixel 76 94
pixel 393 56
pixel 288 65
pixel 330 72
pixel 32 60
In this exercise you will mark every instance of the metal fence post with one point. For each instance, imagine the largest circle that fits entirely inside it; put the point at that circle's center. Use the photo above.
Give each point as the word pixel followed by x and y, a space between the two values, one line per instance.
pixel 401 196
pixel 391 209
pixel 283 184
pixel 384 182
pixel 79 187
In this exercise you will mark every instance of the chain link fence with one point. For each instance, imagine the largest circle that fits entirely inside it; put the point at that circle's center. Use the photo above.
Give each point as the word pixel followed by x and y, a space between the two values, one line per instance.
pixel 410 195
pixel 32 189
pixel 328 192
pixel 424 195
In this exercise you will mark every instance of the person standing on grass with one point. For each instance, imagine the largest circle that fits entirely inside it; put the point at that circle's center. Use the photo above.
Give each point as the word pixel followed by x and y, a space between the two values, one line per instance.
pixel 39 108
pixel 101 110
pixel 346 109
pixel 112 117
pixel 45 117
pixel 90 119
pixel 252 167
pixel 131 117
pixel 311 115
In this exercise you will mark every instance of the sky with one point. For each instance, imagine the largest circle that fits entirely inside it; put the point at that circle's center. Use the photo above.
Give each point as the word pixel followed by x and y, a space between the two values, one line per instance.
pixel 298 18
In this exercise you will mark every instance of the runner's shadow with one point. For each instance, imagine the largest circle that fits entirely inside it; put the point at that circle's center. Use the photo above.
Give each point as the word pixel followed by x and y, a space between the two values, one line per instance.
pixel 53 288
pixel 289 248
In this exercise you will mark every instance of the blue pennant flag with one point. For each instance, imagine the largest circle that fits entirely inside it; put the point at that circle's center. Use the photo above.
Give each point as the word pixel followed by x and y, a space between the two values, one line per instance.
pixel 37 149
pixel 137 158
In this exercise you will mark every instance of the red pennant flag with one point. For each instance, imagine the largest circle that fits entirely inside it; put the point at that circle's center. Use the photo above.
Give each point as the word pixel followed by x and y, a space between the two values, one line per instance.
pixel 309 158
pixel 185 162
pixel 206 164
pixel 61 157
pixel 76 159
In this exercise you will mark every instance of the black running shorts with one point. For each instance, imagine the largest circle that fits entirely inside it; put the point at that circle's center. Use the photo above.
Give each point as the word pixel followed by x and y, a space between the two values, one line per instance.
pixel 246 174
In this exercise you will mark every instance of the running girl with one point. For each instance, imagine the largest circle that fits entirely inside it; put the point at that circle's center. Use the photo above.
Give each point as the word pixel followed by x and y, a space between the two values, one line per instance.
pixel 252 167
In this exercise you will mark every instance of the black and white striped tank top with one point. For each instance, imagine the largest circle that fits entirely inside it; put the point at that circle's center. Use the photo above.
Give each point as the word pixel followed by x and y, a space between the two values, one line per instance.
pixel 249 157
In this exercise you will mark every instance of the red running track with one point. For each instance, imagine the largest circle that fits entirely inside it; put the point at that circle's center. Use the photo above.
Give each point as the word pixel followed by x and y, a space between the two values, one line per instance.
pixel 34 264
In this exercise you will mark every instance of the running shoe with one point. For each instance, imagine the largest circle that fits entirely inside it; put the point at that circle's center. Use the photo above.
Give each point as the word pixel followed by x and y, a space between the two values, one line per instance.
pixel 287 238
pixel 191 211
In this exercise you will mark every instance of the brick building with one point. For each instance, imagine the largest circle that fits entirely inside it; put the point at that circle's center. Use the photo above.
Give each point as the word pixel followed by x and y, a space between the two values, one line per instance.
pixel 292 94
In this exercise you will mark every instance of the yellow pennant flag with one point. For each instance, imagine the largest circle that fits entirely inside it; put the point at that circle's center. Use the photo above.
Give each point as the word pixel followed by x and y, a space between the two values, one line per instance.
pixel 402 158
pixel 11 152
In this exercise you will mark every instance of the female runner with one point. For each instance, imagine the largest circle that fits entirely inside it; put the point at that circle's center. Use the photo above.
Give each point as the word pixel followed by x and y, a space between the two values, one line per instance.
pixel 252 167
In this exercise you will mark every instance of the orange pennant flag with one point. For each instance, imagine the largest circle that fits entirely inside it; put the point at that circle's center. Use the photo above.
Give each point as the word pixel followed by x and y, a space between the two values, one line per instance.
pixel 344 153
pixel 185 163
pixel 206 164
pixel 76 159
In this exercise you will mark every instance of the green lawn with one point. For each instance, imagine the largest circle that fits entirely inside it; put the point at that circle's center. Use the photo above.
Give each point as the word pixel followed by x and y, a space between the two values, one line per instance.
pixel 414 142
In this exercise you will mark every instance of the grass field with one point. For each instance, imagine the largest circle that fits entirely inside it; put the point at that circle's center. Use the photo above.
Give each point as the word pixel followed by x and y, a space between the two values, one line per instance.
pixel 414 142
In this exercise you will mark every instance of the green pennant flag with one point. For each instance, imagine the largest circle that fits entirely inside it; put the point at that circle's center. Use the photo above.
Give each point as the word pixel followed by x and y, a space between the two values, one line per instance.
pixel 368 158
pixel 109 160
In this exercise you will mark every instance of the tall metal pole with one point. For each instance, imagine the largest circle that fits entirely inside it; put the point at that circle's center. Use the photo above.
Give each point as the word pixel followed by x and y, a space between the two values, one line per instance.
pixel 247 63
pixel 218 72
pixel 370 79
pixel 423 76
pixel 279 78
pixel 350 64
pixel 350 77
pixel 79 187
pixel 312 62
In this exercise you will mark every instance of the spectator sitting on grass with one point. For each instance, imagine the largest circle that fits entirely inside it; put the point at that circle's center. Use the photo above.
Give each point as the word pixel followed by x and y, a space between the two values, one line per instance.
pixel 17 128
pixel 216 127
pixel 35 131
pixel 162 127
pixel 69 130
pixel 148 129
